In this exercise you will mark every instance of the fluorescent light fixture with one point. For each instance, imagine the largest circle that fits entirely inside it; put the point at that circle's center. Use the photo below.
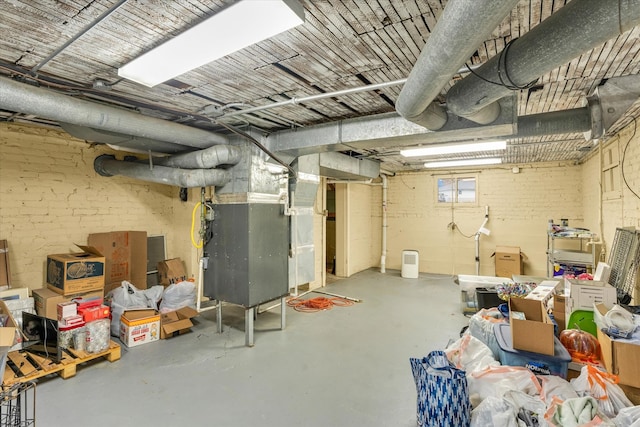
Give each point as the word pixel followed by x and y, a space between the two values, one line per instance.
pixel 236 27
pixel 469 162
pixel 454 148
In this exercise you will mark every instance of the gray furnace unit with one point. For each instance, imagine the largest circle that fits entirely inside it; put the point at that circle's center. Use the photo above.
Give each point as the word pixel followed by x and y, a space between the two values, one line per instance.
pixel 248 251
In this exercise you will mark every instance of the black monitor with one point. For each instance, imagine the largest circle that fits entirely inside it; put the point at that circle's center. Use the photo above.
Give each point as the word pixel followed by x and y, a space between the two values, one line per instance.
pixel 41 336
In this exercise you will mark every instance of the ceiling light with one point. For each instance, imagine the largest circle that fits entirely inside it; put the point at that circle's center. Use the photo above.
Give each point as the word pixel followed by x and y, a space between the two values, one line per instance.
pixel 469 162
pixel 454 148
pixel 234 28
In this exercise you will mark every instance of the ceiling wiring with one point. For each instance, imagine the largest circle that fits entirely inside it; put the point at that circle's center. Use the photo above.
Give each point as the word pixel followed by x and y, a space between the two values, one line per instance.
pixel 624 155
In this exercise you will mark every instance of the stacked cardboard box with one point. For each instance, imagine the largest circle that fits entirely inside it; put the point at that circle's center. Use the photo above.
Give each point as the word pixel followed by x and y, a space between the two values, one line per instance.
pixel 76 272
pixel 126 257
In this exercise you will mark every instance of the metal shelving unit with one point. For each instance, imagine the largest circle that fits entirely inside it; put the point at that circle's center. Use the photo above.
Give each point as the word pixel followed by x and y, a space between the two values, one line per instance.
pixel 575 251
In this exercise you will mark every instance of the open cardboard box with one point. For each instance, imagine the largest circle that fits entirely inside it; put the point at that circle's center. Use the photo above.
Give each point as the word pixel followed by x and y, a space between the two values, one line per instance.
pixel 176 322
pixel 509 261
pixel 73 273
pixel 11 337
pixel 619 357
pixel 535 334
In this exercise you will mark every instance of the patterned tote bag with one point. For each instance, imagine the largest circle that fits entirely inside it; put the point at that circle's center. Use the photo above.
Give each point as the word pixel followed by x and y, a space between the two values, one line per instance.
pixel 443 396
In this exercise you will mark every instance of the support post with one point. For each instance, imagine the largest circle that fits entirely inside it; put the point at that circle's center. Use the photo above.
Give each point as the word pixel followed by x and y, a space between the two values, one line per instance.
pixel 248 326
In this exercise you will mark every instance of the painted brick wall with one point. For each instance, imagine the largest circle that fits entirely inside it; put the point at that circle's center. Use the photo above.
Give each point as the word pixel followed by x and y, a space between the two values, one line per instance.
pixel 520 206
pixel 621 211
pixel 629 148
pixel 365 226
pixel 51 198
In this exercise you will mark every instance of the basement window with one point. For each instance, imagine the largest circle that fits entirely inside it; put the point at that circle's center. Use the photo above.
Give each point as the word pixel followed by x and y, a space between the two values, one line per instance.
pixel 457 190
pixel 611 181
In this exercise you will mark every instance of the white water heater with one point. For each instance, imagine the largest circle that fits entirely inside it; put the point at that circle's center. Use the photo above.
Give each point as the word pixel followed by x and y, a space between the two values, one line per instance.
pixel 410 264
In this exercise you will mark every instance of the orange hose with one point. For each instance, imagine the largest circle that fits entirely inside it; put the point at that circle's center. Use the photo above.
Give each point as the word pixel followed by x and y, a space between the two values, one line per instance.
pixel 317 304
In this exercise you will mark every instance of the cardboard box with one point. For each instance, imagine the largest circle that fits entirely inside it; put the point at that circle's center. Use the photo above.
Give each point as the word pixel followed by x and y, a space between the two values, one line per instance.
pixel 508 261
pixel 619 357
pixel 171 271
pixel 11 335
pixel 139 327
pixel 559 302
pixel 544 291
pixel 7 339
pixel 76 272
pixel 633 393
pixel 5 271
pixel 176 322
pixel 535 333
pixel 126 257
pixel 46 300
pixel 94 313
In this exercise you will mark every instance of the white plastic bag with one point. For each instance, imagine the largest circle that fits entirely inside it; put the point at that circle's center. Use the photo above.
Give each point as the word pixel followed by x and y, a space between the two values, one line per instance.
pixel 470 354
pixel 529 409
pixel 128 297
pixel 628 417
pixel 481 327
pixel 555 386
pixel 496 381
pixel 603 387
pixel 494 411
pixel 178 295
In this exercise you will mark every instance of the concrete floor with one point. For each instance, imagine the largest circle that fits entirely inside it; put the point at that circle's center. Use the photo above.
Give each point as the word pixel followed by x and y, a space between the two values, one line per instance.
pixel 348 366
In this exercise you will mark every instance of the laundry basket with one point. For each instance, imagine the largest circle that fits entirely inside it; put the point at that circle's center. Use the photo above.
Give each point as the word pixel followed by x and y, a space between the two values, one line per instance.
pixel 410 264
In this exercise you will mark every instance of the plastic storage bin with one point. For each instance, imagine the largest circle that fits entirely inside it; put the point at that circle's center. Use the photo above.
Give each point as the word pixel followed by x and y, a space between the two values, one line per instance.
pixel 558 364
pixel 487 298
pixel 469 284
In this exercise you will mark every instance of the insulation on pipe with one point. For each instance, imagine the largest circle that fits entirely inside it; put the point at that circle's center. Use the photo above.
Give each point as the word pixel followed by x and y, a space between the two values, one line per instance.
pixel 463 26
pixel 204 159
pixel 107 165
pixel 577 27
pixel 26 99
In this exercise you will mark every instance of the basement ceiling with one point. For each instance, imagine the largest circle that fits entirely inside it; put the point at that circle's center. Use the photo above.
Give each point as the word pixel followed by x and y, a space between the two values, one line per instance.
pixel 343 44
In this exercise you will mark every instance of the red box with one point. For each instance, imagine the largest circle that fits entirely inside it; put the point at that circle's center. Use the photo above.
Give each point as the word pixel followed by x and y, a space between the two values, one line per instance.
pixel 84 303
pixel 95 313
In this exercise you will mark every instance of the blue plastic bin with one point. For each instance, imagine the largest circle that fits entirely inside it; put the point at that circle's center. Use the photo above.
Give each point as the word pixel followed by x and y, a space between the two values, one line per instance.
pixel 558 364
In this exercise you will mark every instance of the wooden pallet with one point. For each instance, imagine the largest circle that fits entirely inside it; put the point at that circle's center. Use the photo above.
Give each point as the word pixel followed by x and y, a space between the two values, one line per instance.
pixel 23 366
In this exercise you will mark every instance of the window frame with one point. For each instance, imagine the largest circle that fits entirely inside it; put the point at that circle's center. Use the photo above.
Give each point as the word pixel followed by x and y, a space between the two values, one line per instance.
pixel 456 190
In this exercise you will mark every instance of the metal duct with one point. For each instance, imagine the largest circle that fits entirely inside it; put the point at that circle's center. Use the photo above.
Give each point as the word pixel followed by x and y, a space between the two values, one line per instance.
pixel 126 142
pixel 26 99
pixel 463 26
pixel 554 123
pixel 106 165
pixel 577 27
pixel 204 159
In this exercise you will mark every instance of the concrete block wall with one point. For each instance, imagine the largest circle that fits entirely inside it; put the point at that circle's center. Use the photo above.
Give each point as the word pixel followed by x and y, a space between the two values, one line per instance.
pixel 51 198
